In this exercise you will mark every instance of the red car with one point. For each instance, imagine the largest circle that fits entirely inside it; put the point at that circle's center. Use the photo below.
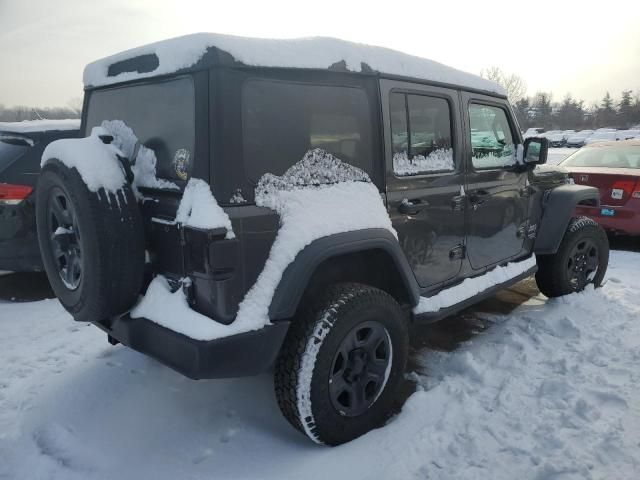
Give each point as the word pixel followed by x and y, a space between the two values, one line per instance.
pixel 614 168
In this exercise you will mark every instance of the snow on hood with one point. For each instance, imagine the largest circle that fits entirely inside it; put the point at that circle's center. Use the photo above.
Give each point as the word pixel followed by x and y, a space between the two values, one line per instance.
pixel 318 196
pixel 32 126
pixel 96 162
pixel 312 52
pixel 143 160
pixel 199 208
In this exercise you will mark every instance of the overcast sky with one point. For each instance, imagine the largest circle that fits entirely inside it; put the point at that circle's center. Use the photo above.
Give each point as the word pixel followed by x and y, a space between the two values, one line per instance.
pixel 555 46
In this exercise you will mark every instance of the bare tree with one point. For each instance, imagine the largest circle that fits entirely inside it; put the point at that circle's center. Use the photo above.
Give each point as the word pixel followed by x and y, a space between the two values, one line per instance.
pixel 75 104
pixel 514 85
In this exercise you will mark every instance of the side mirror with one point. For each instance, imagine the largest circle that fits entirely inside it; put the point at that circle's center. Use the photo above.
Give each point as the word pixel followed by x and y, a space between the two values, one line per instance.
pixel 535 150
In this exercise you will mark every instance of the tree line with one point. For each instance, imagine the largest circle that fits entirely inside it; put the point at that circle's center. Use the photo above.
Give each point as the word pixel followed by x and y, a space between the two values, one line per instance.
pixel 570 113
pixel 23 112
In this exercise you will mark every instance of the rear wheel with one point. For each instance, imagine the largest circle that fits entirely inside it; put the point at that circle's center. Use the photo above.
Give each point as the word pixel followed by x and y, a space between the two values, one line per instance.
pixel 581 260
pixel 341 364
pixel 92 243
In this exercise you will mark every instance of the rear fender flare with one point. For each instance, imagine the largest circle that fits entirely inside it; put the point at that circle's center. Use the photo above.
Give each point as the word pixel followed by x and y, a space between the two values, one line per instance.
pixel 298 274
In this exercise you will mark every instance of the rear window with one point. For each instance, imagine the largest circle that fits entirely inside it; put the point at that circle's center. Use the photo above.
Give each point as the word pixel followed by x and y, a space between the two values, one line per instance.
pixel 162 116
pixel 283 120
pixel 609 157
pixel 12 147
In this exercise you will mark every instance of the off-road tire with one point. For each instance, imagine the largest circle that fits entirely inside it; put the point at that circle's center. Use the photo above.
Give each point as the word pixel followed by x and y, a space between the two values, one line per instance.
pixel 306 360
pixel 111 240
pixel 552 276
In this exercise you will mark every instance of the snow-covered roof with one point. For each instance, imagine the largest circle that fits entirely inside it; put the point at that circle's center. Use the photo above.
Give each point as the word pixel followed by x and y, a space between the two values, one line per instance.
pixel 31 126
pixel 314 52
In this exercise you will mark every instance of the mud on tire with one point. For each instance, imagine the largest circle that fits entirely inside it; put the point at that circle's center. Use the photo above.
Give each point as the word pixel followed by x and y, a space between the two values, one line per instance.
pixel 581 259
pixel 92 244
pixel 342 342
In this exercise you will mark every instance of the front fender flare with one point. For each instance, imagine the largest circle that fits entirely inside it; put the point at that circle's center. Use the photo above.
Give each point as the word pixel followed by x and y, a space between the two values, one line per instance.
pixel 557 209
pixel 297 275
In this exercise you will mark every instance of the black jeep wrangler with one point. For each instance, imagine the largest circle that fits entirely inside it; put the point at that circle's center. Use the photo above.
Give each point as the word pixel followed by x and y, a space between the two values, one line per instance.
pixel 471 207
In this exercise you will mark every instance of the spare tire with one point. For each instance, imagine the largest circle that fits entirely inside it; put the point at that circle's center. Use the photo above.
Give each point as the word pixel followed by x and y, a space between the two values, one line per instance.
pixel 92 244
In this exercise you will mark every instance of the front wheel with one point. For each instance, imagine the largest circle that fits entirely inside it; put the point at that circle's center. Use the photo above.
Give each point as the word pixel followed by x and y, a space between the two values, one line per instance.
pixel 341 364
pixel 581 260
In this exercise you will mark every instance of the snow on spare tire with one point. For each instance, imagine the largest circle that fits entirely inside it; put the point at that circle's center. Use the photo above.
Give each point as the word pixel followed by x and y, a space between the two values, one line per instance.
pixel 89 227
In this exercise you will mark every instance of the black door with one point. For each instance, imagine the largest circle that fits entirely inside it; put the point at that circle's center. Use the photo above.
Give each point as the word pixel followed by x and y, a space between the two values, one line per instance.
pixel 424 169
pixel 496 183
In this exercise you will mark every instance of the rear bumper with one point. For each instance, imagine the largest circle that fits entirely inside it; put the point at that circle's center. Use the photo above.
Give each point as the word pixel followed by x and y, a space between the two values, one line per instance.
pixel 625 220
pixel 239 355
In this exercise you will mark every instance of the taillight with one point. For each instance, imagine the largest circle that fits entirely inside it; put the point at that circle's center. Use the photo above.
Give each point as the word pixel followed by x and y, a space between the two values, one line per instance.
pixel 13 194
pixel 627 186
pixel 636 190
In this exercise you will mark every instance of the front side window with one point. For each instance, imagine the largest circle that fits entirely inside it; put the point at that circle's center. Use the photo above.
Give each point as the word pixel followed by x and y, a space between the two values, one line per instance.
pixel 421 134
pixel 283 120
pixel 491 139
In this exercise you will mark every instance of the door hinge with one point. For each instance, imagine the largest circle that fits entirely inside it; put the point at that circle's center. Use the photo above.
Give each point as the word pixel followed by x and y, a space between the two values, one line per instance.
pixel 458 252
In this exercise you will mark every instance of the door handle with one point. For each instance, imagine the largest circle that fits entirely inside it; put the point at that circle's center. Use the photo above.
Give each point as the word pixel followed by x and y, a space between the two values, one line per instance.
pixel 411 207
pixel 478 197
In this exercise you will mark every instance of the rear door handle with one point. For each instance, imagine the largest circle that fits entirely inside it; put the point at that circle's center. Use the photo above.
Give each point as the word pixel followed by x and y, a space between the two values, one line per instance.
pixel 478 197
pixel 412 207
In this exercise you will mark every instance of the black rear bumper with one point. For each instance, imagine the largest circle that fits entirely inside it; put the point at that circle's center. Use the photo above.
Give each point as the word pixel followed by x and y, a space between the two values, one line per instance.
pixel 239 355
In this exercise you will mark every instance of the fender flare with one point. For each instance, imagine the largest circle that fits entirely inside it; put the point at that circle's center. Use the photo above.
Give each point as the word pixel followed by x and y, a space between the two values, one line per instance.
pixel 557 209
pixel 297 275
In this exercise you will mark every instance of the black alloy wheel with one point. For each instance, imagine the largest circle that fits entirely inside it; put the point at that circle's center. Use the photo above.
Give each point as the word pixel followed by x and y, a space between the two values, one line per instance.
pixel 360 368
pixel 64 238
pixel 582 264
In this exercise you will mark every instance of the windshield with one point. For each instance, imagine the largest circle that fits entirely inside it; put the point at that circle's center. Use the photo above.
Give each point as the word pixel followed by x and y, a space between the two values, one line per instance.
pixel 11 147
pixel 609 157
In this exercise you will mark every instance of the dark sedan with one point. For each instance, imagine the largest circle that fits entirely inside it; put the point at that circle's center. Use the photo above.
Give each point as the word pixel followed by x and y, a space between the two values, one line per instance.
pixel 614 168
pixel 21 146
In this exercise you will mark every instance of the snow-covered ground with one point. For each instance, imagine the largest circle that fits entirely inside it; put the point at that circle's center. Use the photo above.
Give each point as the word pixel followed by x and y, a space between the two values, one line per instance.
pixel 550 389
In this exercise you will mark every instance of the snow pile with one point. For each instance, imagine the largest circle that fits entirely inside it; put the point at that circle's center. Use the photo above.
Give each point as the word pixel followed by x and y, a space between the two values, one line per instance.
pixel 316 168
pixel 319 52
pixel 307 214
pixel 438 160
pixel 471 287
pixel 96 162
pixel 32 126
pixel 492 160
pixel 143 160
pixel 199 209
pixel 171 310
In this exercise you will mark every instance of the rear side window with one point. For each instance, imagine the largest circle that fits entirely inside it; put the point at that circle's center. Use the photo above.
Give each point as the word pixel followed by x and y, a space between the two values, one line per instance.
pixel 162 116
pixel 421 134
pixel 491 139
pixel 283 120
